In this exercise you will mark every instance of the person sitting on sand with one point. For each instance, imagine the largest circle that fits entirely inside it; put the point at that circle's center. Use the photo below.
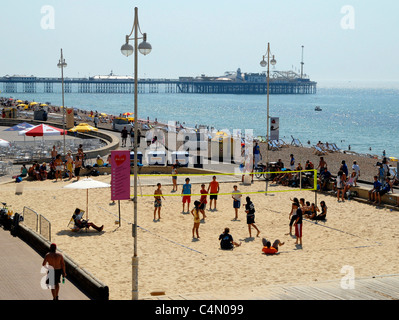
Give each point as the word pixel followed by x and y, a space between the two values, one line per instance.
pixel 226 240
pixel 323 214
pixel 99 162
pixel 270 249
pixel 80 223
pixel 313 212
pixel 43 171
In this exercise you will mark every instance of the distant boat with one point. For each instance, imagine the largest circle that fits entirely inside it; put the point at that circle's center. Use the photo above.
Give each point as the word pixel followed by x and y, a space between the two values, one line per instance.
pixel 317 108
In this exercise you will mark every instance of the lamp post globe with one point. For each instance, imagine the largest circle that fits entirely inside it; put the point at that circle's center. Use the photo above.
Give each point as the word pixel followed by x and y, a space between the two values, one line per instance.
pixel 127 49
pixel 145 48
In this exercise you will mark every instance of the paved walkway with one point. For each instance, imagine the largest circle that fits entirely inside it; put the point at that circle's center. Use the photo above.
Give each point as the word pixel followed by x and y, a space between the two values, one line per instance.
pixel 20 276
pixel 376 288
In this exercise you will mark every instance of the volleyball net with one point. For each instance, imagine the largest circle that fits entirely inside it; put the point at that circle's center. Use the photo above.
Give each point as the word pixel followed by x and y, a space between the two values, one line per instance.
pixel 247 183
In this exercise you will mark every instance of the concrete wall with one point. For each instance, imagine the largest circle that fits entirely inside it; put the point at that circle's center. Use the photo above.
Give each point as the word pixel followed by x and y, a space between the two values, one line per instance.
pixel 92 287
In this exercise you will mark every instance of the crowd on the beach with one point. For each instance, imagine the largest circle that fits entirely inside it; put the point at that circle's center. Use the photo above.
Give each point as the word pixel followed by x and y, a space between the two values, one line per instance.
pixel 59 168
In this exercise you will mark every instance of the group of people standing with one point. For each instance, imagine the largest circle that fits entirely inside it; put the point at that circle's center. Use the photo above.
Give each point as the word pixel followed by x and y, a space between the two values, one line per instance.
pixel 199 205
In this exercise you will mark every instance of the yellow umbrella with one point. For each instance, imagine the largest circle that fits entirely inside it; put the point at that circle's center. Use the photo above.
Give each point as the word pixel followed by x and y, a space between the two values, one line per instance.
pixel 83 127
pixel 33 103
pixel 103 114
pixel 393 159
pixel 43 105
pixel 221 133
pixel 19 101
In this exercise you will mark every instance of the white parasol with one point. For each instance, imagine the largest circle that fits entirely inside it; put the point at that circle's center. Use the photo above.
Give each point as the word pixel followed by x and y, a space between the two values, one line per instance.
pixel 87 184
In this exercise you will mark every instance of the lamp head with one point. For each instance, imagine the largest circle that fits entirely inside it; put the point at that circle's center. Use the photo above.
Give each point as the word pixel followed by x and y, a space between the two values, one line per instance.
pixel 127 49
pixel 145 47
pixel 263 63
pixel 273 62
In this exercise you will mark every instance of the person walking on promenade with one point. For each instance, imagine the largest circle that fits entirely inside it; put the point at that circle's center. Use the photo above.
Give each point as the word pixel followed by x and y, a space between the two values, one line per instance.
pixel 54 262
pixel 131 137
pixel 124 134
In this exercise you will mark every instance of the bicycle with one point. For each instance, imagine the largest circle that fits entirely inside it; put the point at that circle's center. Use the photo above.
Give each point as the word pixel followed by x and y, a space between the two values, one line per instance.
pixel 260 171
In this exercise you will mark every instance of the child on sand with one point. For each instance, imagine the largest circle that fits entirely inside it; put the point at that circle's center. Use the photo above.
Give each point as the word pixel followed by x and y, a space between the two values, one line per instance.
pixel 236 200
pixel 203 201
pixel 298 224
pixel 250 210
pixel 186 194
pixel 158 201
pixel 195 212
pixel 174 178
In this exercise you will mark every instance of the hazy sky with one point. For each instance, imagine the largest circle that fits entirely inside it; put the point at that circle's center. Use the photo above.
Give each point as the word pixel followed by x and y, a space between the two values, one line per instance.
pixel 343 40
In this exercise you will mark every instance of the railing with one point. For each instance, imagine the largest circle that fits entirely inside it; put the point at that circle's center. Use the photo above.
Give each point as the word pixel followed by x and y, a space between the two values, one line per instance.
pixel 37 223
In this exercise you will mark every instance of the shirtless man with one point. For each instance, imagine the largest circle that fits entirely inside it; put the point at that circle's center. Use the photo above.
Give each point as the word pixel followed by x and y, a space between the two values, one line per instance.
pixel 54 262
pixel 59 165
pixel 158 201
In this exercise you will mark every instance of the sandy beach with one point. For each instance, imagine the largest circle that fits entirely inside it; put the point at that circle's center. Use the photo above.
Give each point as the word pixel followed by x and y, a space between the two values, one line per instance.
pixel 355 234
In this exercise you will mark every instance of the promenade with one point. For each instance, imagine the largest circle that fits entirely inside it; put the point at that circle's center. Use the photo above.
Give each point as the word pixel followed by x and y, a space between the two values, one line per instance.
pixel 20 276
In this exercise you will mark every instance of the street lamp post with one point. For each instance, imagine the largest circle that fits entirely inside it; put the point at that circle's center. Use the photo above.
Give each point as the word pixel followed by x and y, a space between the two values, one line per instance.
pixel 62 64
pixel 267 64
pixel 127 50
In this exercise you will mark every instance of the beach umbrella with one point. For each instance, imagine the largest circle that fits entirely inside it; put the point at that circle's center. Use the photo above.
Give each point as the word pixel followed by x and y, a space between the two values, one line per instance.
pixel 20 127
pixel 43 105
pixel 87 184
pixel 393 159
pixel 128 114
pixel 83 127
pixel 43 130
pixel 4 143
pixel 33 103
pixel 19 101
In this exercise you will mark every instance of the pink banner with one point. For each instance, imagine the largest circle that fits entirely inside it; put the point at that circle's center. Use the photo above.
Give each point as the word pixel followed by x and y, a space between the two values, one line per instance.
pixel 120 175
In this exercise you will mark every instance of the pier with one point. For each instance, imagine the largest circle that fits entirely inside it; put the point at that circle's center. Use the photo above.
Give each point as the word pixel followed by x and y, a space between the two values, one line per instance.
pixel 281 83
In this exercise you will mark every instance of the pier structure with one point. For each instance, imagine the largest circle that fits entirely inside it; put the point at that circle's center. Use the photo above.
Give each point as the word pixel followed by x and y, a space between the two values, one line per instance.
pixel 232 83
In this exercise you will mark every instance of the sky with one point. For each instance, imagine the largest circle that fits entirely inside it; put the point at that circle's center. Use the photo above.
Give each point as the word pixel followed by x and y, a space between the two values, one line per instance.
pixel 347 40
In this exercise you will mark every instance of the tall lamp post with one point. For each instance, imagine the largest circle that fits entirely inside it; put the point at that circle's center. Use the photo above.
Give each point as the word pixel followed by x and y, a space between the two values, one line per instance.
pixel 127 50
pixel 267 64
pixel 62 64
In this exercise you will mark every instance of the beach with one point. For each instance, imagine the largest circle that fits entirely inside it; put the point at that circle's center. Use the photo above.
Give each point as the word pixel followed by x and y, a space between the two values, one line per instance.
pixel 355 234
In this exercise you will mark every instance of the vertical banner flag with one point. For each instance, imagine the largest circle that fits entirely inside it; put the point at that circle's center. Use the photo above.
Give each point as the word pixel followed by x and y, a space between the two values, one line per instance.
pixel 120 175
pixel 274 128
pixel 70 119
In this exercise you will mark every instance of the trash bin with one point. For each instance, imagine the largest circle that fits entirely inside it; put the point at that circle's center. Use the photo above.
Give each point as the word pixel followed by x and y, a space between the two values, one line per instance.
pixel 139 158
pixel 157 158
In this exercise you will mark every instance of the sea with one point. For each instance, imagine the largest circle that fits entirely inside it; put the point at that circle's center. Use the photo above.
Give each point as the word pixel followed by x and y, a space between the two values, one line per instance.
pixel 363 116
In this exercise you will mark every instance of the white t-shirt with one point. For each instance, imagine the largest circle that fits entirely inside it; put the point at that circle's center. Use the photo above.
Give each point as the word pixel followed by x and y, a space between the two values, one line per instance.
pixel 356 168
pixel 237 195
